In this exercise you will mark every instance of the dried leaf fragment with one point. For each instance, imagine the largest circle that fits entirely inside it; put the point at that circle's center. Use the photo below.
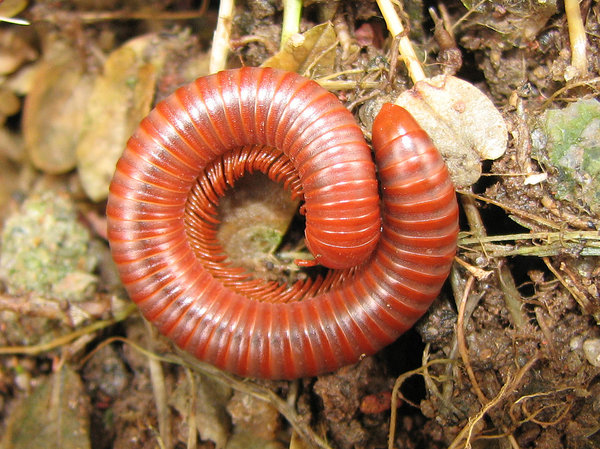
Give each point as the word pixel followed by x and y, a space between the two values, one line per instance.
pixel 517 22
pixel 54 112
pixel 10 8
pixel 9 103
pixel 121 96
pixel 462 122
pixel 212 421
pixel 312 51
pixel 255 416
pixel 14 50
pixel 54 416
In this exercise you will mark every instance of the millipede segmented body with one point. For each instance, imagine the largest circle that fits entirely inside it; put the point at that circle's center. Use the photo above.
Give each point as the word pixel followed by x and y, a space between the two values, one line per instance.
pixel 162 223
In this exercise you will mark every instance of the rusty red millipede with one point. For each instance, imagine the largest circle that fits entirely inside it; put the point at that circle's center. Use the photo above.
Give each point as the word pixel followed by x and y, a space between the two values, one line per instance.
pixel 162 220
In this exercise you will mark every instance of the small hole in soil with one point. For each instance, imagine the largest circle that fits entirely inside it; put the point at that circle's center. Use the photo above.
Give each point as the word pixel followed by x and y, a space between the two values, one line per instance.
pixel 405 355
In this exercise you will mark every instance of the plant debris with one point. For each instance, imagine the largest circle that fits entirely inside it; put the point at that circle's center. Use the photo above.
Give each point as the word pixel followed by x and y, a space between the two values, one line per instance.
pixel 54 416
pixel 462 122
pixel 567 143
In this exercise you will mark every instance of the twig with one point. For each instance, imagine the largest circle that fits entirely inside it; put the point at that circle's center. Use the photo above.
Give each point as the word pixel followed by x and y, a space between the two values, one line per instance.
pixel 581 243
pixel 65 339
pixel 577 237
pixel 531 416
pixel 396 395
pixel 513 210
pixel 344 73
pixel 512 297
pixel 565 216
pixel 581 299
pixel 59 16
pixel 407 51
pixel 479 273
pixel 291 20
pixel 220 45
pixel 473 217
pixel 507 283
pixel 577 37
pixel 347 41
pixel 462 342
pixel 566 87
pixel 191 412
pixel 432 387
pixel 347 84
pixel 157 379
pixel 14 20
pixel 466 433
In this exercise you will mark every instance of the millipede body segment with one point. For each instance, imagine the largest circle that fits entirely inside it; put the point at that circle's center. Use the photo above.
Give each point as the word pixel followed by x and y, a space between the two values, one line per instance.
pixel 162 223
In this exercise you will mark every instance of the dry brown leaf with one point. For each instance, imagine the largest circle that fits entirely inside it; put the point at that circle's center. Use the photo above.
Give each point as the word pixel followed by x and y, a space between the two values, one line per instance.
pixel 462 122
pixel 311 54
pixel 519 22
pixel 120 98
pixel 14 50
pixel 54 110
pixel 10 8
pixel 9 103
pixel 11 146
pixel 212 421
pixel 54 416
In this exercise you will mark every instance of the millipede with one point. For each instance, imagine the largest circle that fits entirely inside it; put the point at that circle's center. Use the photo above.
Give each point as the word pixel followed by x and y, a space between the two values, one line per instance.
pixel 386 225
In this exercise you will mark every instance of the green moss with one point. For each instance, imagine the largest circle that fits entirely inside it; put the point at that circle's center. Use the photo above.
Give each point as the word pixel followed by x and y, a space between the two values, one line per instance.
pixel 47 251
pixel 568 141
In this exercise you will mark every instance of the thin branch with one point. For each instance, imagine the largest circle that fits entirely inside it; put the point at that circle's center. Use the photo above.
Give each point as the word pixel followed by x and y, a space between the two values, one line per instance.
pixel 60 16
pixel 67 338
pixel 407 52
pixel 220 45
pixel 462 342
pixel 292 10
pixel 466 434
pixel 577 37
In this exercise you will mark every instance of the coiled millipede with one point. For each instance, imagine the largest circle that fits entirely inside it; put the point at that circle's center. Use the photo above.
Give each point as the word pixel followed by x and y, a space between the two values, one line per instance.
pixel 162 223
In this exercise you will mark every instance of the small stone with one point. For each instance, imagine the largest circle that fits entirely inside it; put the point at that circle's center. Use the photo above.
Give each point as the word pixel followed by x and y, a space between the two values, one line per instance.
pixel 591 349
